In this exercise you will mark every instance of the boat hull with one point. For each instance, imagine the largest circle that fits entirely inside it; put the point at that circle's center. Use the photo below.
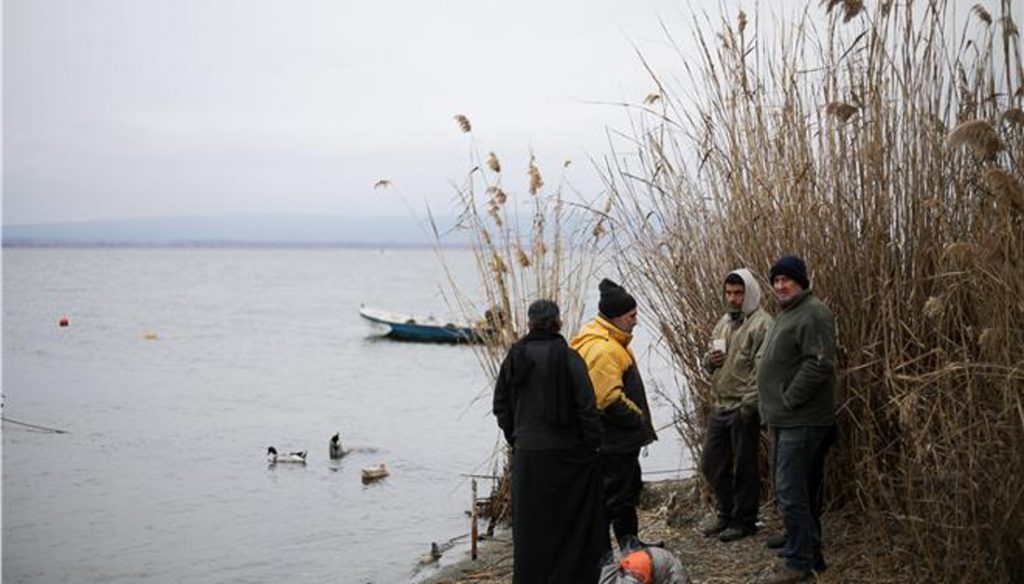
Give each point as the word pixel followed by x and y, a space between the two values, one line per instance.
pixel 412 329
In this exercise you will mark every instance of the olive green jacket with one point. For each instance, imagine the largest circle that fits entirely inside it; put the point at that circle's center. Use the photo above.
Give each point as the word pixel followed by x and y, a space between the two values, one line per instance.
pixel 796 381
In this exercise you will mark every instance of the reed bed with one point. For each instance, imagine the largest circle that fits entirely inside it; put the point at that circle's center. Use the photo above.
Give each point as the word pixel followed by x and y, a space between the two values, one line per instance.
pixel 887 149
pixel 529 242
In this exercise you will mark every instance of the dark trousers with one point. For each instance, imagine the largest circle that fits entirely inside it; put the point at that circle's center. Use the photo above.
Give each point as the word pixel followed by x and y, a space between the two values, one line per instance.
pixel 799 487
pixel 730 464
pixel 622 484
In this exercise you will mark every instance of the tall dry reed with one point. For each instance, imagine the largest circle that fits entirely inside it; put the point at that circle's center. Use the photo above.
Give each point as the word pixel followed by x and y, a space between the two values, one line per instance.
pixel 527 246
pixel 889 153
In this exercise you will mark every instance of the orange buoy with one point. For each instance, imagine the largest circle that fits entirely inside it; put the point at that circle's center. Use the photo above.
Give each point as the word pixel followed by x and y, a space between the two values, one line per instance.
pixel 64 321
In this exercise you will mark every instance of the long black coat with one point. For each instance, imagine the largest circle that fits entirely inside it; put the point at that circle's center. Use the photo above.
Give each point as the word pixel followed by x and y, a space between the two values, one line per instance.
pixel 560 531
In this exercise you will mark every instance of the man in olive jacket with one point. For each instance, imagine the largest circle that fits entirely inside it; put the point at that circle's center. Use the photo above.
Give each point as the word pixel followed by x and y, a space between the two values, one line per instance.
pixel 622 403
pixel 796 385
pixel 730 460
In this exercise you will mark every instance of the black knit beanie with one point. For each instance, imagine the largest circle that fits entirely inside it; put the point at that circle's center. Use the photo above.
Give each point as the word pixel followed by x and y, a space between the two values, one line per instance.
pixel 793 267
pixel 615 301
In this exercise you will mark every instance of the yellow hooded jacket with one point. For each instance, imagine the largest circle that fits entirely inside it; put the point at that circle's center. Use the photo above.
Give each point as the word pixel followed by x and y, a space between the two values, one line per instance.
pixel 618 388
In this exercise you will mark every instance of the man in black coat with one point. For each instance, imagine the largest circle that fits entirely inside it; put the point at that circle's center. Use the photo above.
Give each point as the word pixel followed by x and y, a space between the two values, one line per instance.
pixel 544 403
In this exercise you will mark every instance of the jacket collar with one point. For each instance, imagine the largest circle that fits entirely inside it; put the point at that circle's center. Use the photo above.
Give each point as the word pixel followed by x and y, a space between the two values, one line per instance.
pixel 799 300
pixel 615 333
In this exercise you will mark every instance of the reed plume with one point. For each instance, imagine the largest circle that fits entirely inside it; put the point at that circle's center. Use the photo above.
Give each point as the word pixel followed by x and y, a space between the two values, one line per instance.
pixel 979 135
pixel 1014 116
pixel 536 182
pixel 463 123
pixel 982 13
pixel 842 111
pixel 492 162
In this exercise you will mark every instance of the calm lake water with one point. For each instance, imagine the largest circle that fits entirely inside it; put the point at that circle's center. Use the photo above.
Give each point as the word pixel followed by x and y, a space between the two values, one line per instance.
pixel 162 475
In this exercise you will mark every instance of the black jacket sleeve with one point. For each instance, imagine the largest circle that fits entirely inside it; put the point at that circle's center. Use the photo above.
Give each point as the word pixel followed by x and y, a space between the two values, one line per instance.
pixel 620 414
pixel 586 405
pixel 504 409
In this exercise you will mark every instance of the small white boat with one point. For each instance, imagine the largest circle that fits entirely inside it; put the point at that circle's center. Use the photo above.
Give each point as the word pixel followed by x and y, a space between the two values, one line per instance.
pixel 375 473
pixel 420 329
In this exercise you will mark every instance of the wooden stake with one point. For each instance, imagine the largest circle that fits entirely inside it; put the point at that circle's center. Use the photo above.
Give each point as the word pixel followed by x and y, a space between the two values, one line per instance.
pixel 472 529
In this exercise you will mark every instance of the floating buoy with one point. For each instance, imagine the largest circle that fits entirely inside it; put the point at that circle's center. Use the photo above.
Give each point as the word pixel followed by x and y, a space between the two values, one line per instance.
pixel 63 321
pixel 149 336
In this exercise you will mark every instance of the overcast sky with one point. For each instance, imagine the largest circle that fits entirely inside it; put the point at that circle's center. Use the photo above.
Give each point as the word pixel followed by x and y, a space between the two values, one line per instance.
pixel 135 108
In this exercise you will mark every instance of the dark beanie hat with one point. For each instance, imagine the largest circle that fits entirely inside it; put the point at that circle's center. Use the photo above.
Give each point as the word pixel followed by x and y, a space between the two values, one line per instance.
pixel 793 267
pixel 615 301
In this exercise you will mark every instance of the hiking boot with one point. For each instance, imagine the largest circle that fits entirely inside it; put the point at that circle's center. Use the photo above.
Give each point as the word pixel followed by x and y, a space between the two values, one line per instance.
pixel 719 526
pixel 736 532
pixel 775 542
pixel 783 574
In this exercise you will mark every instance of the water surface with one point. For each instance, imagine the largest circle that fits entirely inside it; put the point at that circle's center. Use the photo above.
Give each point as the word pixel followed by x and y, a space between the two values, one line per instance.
pixel 162 476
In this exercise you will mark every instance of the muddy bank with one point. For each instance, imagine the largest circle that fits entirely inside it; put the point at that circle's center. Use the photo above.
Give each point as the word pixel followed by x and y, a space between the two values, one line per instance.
pixel 674 512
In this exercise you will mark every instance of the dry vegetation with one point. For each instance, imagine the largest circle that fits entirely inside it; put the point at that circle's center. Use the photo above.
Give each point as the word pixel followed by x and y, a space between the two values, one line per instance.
pixel 526 246
pixel 889 153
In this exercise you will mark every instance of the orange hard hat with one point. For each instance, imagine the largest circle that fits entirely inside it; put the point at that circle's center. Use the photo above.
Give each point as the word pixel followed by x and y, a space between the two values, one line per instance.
pixel 638 564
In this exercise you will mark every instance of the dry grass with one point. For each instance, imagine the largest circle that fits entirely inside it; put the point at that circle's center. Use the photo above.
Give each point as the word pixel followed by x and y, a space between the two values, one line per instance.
pixel 835 145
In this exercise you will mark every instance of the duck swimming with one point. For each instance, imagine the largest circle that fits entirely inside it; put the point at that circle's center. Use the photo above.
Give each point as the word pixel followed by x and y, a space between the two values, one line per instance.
pixel 297 456
pixel 335 447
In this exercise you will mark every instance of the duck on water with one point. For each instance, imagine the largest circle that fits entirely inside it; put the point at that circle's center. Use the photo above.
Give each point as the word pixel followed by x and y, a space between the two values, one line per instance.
pixel 298 457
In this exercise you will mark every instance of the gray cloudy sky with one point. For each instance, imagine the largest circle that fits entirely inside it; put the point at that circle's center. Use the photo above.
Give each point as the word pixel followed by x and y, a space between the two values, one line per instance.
pixel 132 108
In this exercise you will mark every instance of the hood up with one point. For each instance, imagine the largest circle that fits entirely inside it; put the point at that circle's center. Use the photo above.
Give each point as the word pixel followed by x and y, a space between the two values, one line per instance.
pixel 752 290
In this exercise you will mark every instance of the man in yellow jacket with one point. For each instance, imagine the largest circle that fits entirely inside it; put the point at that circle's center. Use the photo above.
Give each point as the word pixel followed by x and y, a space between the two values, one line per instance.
pixel 622 403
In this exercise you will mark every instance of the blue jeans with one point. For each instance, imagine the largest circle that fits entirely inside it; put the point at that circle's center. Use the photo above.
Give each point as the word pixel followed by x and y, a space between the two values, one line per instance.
pixel 799 469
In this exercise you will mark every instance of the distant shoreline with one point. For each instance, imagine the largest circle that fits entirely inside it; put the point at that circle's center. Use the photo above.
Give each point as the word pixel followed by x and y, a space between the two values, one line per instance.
pixel 25 244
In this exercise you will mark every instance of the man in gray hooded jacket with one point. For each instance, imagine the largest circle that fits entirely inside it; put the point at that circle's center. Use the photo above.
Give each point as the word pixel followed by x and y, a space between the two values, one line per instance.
pixel 730 455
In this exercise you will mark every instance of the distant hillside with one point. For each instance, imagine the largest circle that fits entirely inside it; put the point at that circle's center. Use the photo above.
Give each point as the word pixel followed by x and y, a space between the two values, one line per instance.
pixel 232 230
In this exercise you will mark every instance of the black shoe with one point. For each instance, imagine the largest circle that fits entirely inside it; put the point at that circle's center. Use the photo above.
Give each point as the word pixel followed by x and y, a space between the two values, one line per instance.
pixel 736 532
pixel 776 542
pixel 721 525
